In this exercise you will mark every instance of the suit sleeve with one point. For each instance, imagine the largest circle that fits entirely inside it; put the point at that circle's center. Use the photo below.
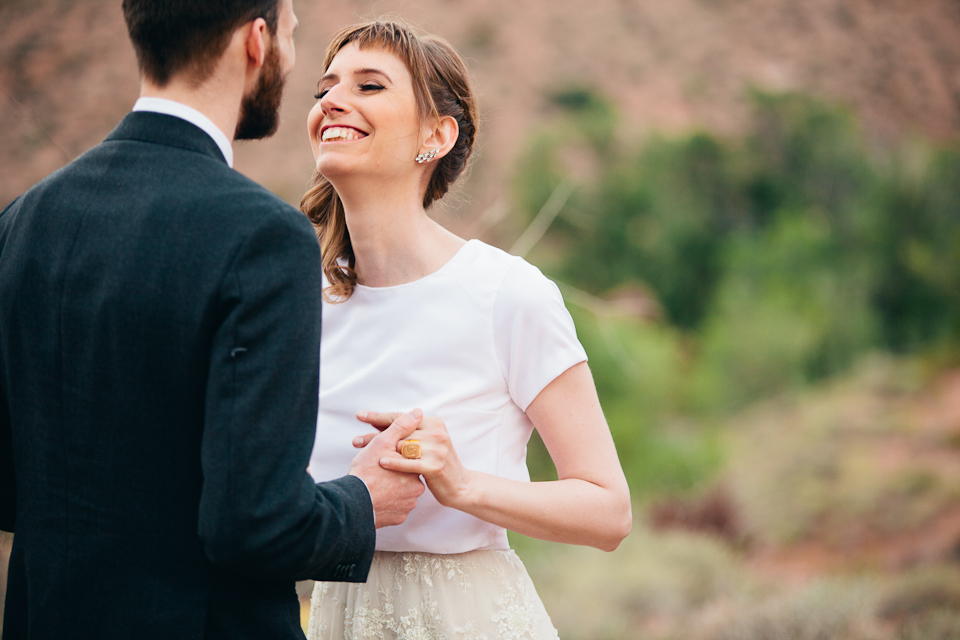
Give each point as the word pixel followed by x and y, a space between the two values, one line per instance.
pixel 260 512
pixel 8 485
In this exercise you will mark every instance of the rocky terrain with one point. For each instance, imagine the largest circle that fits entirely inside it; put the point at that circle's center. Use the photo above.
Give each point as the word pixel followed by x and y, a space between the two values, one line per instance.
pixel 67 72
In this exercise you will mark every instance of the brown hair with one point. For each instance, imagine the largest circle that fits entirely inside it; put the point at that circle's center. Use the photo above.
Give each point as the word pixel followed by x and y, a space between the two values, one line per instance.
pixel 442 87
pixel 186 36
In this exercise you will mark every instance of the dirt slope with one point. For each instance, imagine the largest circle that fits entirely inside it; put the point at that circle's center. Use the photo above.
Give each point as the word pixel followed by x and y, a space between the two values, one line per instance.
pixel 67 72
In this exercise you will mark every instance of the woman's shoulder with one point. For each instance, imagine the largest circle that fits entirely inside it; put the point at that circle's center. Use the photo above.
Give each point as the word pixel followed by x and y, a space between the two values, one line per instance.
pixel 487 280
pixel 479 251
pixel 506 269
pixel 500 280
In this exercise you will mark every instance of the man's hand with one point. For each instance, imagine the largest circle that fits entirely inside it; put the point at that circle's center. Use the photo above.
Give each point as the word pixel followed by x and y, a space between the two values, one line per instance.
pixel 6 545
pixel 438 464
pixel 394 494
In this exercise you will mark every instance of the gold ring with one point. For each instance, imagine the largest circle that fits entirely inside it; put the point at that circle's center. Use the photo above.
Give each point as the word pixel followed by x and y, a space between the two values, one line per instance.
pixel 410 449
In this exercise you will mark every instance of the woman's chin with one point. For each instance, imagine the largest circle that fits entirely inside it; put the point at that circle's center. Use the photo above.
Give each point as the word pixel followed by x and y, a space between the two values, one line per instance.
pixel 335 167
pixel 331 168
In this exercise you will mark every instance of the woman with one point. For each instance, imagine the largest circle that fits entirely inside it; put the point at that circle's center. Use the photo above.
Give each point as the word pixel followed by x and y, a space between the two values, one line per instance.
pixel 416 316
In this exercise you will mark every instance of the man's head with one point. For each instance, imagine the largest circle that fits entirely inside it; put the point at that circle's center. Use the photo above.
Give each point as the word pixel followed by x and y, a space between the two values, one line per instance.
pixel 185 40
pixel 174 37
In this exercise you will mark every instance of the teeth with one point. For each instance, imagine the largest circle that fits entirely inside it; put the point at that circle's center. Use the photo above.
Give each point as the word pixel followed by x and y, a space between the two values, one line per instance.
pixel 341 133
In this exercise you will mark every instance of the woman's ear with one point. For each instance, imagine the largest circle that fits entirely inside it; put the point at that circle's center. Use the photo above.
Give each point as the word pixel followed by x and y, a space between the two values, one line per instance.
pixel 441 134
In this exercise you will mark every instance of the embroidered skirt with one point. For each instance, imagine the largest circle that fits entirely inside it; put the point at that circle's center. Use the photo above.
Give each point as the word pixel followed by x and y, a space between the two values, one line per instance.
pixel 478 595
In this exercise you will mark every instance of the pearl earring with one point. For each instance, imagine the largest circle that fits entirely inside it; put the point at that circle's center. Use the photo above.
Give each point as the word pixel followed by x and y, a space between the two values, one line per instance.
pixel 427 156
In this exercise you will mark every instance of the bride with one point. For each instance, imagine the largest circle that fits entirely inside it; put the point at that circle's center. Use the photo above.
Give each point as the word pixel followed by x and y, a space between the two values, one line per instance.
pixel 480 340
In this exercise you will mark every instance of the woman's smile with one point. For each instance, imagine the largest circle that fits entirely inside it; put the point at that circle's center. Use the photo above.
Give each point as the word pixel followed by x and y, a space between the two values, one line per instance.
pixel 339 133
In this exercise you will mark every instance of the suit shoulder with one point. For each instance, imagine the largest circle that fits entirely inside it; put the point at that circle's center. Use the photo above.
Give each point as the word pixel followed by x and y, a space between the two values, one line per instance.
pixel 246 198
pixel 240 205
pixel 5 216
pixel 10 207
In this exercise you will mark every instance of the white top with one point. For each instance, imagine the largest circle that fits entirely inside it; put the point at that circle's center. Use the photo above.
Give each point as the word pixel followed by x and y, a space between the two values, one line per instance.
pixel 191 115
pixel 472 343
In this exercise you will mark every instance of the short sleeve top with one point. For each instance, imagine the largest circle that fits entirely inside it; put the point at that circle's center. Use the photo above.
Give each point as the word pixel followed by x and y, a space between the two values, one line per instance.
pixel 473 343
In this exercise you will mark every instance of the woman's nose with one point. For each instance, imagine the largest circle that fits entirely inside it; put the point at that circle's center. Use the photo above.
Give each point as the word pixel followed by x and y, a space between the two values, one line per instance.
pixel 332 101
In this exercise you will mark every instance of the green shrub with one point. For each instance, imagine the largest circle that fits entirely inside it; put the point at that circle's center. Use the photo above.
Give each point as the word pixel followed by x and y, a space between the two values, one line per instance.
pixel 792 306
pixel 915 242
pixel 778 258
pixel 781 255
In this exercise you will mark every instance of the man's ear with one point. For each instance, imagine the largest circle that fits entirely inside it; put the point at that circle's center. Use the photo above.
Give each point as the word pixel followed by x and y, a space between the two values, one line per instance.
pixel 441 134
pixel 255 39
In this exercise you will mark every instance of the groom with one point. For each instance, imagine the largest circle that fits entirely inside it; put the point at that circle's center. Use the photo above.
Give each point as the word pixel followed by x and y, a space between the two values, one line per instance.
pixel 159 341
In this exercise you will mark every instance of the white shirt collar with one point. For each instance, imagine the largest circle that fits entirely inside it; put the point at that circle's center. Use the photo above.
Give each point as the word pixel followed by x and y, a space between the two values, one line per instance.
pixel 191 115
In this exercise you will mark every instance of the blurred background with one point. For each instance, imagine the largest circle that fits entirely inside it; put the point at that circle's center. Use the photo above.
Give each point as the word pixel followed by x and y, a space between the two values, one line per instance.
pixel 752 208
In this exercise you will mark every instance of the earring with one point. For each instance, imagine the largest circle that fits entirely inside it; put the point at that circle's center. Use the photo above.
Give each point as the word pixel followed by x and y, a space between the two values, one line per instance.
pixel 427 156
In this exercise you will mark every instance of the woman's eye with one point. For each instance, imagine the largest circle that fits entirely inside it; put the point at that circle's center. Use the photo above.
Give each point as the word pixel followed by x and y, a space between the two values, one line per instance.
pixel 370 86
pixel 321 93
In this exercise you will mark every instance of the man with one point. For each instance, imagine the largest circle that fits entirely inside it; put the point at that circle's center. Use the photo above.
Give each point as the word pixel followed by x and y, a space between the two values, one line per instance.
pixel 159 340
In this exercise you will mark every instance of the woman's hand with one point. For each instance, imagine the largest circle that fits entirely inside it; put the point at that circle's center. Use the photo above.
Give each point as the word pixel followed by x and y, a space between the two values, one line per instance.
pixel 439 464
pixel 589 504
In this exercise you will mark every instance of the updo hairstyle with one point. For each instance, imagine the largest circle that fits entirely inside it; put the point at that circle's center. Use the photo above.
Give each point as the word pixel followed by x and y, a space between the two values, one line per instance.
pixel 442 87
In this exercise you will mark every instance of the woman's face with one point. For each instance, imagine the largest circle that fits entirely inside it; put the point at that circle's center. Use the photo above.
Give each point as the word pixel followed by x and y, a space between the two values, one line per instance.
pixel 365 119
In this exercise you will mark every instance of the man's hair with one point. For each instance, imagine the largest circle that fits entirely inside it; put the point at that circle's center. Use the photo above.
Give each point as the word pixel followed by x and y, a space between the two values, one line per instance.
pixel 189 36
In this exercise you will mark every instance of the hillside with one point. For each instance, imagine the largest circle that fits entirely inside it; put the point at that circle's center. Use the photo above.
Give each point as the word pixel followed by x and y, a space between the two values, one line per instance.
pixel 836 518
pixel 67 71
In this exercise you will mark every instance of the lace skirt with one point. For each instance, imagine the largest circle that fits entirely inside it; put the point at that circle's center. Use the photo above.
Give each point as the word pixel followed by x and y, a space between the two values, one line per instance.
pixel 478 595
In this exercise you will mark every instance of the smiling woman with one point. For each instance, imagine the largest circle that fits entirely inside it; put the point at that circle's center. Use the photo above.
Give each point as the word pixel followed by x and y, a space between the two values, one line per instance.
pixel 390 95
pixel 480 340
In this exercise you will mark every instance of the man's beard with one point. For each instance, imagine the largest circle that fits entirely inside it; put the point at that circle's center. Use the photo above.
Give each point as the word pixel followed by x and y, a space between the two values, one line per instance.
pixel 260 109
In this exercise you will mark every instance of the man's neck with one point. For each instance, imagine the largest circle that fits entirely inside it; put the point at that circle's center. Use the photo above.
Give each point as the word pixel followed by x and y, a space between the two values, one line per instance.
pixel 191 115
pixel 215 99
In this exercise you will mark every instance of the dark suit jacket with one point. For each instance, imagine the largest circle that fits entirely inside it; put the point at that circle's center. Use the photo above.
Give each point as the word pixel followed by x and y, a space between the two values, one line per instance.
pixel 159 359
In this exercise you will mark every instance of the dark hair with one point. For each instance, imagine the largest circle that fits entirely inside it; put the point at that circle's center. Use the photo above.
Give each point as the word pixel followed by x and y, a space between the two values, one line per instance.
pixel 441 84
pixel 176 36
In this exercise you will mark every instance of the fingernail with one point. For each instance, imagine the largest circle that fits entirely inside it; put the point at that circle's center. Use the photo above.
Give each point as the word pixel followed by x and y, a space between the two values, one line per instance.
pixel 362 415
pixel 417 413
pixel 357 441
pixel 384 462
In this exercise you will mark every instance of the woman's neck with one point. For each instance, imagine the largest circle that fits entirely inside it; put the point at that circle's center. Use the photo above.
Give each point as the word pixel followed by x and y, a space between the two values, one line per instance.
pixel 394 241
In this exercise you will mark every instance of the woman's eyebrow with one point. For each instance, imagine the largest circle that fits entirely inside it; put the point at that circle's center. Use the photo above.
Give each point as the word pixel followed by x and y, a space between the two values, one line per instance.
pixel 370 71
pixel 358 72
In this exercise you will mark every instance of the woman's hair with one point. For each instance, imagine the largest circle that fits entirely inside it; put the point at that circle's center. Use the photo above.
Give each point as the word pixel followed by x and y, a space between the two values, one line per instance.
pixel 442 87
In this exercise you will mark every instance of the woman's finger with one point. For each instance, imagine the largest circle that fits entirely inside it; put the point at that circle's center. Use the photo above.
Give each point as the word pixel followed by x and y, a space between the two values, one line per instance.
pixel 402 465
pixel 411 449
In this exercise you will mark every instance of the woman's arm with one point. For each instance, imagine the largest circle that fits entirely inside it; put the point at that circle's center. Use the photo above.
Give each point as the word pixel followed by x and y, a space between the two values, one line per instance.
pixel 588 505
